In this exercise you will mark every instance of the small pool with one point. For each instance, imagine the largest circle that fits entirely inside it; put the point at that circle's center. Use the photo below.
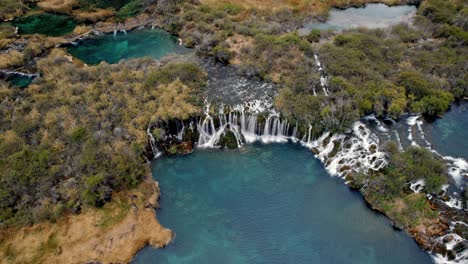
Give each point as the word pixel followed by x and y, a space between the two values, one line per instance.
pixel 111 48
pixel 47 24
pixel 370 16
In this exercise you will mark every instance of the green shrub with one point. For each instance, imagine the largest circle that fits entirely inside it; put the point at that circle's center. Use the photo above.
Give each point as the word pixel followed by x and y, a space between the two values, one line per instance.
pixel 78 134
pixel 129 10
pixel 435 104
pixel 314 36
pixel 232 9
pixel 96 191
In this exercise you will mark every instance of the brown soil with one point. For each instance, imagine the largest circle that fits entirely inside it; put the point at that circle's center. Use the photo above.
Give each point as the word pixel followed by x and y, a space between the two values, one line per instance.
pixel 113 234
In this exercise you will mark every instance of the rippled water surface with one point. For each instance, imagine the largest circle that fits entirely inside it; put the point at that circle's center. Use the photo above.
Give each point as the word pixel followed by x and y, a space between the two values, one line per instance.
pixel 268 204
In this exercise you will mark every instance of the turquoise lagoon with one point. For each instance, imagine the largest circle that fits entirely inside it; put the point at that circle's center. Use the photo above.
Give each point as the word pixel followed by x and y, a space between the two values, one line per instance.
pixel 268 204
pixel 112 48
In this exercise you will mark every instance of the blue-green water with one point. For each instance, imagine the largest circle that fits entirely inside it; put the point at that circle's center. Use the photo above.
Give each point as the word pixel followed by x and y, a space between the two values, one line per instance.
pixel 268 204
pixel 47 24
pixel 20 81
pixel 17 79
pixel 448 134
pixel 154 43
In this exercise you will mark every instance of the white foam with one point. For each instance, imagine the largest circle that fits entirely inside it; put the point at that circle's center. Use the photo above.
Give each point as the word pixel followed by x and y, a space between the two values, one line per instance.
pixel 417 186
pixel 358 152
pixel 411 121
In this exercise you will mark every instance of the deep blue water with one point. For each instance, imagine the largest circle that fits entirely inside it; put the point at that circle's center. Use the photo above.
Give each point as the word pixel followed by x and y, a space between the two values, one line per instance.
pixel 135 44
pixel 268 204
pixel 449 134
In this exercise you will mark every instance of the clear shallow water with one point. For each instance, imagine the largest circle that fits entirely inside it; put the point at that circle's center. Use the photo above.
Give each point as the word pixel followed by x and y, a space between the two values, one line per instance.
pixel 47 24
pixel 135 44
pixel 370 16
pixel 268 204
pixel 449 134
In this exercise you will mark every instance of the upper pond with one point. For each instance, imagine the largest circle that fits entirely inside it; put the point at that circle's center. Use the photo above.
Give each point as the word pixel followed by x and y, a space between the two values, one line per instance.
pixel 47 24
pixel 268 204
pixel 370 16
pixel 112 48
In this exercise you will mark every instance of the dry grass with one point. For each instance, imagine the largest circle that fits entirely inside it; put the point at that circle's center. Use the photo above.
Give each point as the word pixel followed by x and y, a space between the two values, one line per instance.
pixel 11 59
pixel 58 6
pixel 112 234
pixel 94 15
pixel 80 30
pixel 236 44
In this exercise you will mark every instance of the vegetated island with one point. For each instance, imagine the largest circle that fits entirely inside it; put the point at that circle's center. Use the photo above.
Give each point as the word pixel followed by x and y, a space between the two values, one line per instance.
pixel 75 143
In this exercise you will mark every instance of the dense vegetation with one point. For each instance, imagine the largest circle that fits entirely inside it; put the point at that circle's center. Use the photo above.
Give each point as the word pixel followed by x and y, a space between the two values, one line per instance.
pixel 417 68
pixel 389 191
pixel 79 133
pixel 406 68
pixel 49 132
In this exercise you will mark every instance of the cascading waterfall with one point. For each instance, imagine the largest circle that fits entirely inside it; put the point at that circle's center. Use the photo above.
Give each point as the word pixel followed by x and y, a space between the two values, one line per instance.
pixel 342 154
pixel 245 126
pixel 152 141
pixel 457 169
pixel 180 128
pixel 358 152
pixel 411 121
pixel 323 76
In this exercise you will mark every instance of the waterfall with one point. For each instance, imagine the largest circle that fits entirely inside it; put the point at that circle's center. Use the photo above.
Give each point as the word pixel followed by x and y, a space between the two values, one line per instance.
pixel 181 131
pixel 411 121
pixel 309 135
pixel 152 142
pixel 357 151
pixel 323 76
pixel 294 133
pixel 397 136
pixel 207 132
pixel 246 127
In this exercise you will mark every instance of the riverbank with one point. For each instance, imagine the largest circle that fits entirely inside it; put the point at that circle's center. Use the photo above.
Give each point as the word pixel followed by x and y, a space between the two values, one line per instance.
pixel 112 234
